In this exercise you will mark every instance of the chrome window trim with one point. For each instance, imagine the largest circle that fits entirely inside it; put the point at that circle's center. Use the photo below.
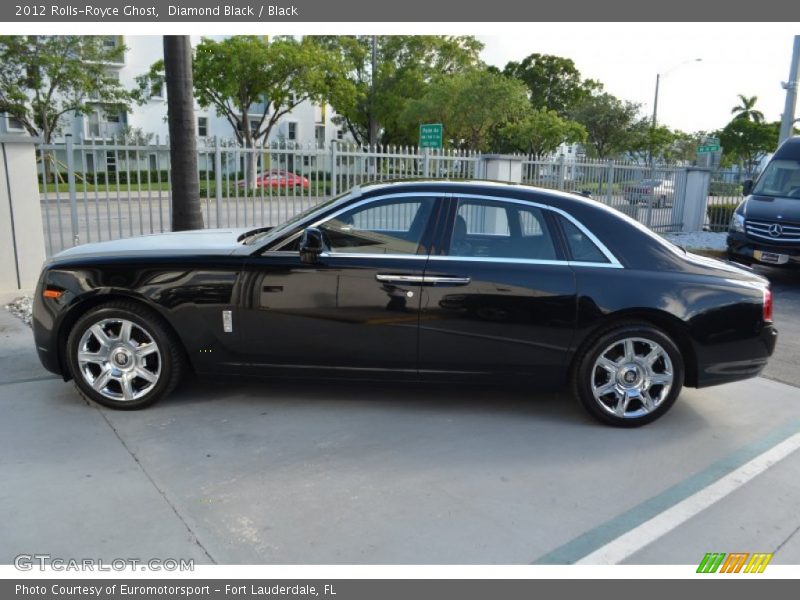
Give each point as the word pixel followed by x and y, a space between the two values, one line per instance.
pixel 612 264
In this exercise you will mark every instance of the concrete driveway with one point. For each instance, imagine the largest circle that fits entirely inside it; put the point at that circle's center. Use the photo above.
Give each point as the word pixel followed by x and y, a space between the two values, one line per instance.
pixel 319 473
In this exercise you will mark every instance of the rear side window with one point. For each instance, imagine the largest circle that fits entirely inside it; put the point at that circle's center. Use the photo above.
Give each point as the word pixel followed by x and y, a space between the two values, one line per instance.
pixel 580 246
pixel 497 229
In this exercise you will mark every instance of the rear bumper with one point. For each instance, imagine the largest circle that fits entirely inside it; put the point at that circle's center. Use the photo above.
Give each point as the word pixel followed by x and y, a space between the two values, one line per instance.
pixel 739 360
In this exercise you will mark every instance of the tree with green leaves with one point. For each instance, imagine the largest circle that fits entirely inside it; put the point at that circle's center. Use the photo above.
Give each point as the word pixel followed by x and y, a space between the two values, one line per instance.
pixel 650 144
pixel 539 133
pixel 745 142
pixel 472 107
pixel 610 124
pixel 382 85
pixel 554 82
pixel 252 82
pixel 746 109
pixel 44 78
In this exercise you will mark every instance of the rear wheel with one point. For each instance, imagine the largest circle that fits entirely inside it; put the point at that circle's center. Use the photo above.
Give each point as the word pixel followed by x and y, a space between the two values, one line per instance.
pixel 629 376
pixel 122 355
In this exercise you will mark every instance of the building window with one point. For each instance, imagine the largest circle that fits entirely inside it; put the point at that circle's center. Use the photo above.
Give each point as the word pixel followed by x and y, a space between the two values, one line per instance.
pixel 202 126
pixel 14 124
pixel 340 134
pixel 112 41
pixel 292 131
pixel 319 136
pixel 111 162
pixel 94 124
pixel 157 90
pixel 113 117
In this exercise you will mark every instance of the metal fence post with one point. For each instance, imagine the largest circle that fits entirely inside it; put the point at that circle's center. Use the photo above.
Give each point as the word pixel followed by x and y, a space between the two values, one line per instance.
pixel 334 174
pixel 610 181
pixel 73 196
pixel 561 171
pixel 218 180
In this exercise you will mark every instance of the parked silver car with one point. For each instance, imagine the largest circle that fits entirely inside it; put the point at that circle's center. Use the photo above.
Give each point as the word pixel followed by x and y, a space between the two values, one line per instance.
pixel 659 192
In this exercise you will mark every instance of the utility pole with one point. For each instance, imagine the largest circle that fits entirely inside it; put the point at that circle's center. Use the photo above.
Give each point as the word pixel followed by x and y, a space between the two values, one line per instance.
pixel 373 120
pixel 787 123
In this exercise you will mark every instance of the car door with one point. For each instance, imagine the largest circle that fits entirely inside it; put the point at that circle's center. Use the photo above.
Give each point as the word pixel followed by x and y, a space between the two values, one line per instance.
pixel 500 297
pixel 357 307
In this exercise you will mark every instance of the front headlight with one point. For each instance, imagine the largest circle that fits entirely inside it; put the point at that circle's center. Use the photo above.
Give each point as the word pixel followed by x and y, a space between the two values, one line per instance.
pixel 737 223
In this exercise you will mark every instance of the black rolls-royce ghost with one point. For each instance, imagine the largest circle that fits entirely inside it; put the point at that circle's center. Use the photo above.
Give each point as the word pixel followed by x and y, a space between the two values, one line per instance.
pixel 423 280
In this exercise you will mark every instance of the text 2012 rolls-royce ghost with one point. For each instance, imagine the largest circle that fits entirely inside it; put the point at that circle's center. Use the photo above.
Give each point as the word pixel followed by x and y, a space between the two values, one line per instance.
pixel 426 280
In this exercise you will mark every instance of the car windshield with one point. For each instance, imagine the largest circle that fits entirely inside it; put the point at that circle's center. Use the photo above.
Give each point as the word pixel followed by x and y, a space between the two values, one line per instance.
pixel 258 235
pixel 781 179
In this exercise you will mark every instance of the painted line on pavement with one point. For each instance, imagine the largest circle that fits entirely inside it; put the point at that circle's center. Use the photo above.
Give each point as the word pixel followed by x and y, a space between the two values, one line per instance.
pixel 621 536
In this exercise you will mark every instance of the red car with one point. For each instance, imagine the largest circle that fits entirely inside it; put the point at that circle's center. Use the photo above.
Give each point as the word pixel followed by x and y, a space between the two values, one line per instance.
pixel 279 179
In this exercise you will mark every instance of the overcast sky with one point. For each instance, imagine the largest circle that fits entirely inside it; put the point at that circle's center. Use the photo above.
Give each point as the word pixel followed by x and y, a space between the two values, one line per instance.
pixel 737 59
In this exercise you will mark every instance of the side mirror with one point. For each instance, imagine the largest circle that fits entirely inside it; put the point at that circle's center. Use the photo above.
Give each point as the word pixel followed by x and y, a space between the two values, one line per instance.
pixel 747 187
pixel 311 245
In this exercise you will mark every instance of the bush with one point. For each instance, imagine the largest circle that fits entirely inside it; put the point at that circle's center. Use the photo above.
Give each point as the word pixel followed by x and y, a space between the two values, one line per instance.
pixel 724 188
pixel 719 215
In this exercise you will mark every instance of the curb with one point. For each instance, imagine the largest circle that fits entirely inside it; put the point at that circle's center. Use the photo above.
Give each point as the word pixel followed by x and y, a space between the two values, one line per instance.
pixel 720 254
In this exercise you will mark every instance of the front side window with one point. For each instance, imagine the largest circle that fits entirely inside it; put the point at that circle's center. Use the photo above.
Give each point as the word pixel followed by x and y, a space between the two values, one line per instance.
pixel 497 229
pixel 781 178
pixel 391 226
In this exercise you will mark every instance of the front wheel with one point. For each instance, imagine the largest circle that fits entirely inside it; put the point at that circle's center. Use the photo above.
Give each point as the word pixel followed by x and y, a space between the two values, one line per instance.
pixel 629 376
pixel 123 356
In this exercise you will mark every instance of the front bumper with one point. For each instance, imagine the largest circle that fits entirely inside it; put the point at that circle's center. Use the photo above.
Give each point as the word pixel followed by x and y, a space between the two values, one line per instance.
pixel 747 250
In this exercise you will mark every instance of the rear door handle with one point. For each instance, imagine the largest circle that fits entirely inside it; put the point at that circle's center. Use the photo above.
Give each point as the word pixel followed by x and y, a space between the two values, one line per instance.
pixel 446 280
pixel 423 279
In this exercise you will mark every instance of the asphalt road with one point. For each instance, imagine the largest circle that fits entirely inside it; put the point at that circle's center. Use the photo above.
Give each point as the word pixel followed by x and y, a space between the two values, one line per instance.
pixel 785 362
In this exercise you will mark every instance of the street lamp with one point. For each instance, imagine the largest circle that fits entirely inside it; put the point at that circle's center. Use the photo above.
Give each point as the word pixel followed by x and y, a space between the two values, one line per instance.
pixel 658 81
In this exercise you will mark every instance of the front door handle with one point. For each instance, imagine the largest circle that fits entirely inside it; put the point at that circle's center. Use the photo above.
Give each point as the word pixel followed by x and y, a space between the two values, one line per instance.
pixel 423 279
pixel 446 280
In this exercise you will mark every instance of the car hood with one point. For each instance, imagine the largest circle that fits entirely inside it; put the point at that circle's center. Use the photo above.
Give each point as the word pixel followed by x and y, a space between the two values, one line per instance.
pixel 184 243
pixel 768 208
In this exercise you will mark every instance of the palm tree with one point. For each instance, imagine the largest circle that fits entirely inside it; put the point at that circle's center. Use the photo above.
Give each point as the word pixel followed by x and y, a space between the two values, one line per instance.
pixel 745 110
pixel 186 212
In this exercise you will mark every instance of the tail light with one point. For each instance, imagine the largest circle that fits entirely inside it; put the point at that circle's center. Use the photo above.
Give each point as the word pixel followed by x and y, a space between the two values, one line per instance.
pixel 767 308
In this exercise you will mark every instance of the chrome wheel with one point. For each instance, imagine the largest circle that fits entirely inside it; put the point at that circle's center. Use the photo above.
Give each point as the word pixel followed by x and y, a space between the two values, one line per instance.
pixel 119 359
pixel 632 377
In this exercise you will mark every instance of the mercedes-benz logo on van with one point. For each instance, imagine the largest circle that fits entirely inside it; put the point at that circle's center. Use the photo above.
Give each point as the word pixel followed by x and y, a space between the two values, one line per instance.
pixel 775 230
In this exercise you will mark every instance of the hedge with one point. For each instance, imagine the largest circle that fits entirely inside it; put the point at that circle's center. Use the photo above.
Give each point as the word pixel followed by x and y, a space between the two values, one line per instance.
pixel 719 215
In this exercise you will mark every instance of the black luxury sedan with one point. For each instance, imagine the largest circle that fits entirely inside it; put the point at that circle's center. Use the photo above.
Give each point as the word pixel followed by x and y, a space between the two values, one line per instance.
pixel 765 227
pixel 425 280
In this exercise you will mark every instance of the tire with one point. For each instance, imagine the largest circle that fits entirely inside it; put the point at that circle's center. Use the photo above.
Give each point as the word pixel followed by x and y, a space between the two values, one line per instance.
pixel 138 361
pixel 618 381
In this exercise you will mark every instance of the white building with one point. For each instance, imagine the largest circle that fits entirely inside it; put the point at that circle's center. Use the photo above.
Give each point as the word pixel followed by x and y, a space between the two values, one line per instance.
pixel 307 124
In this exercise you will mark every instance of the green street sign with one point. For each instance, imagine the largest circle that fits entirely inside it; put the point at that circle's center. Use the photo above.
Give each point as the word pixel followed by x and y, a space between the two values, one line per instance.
pixel 708 149
pixel 430 135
